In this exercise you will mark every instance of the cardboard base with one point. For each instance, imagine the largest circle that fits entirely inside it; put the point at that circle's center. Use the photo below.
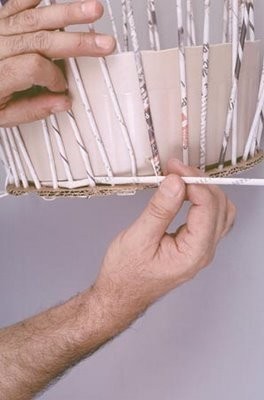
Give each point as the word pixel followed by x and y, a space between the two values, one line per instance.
pixel 125 190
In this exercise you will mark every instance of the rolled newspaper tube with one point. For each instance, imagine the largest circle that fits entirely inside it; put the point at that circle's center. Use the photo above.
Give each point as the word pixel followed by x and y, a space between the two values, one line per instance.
pixel 235 23
pixel 157 180
pixel 254 128
pixel 143 89
pixel 17 158
pixel 205 79
pixel 90 116
pixel 3 159
pixel 50 154
pixel 25 155
pixel 61 147
pixel 234 91
pixel 153 26
pixel 125 25
pixel 118 111
pixel 183 84
pixel 251 30
pixel 230 21
pixel 225 21
pixel 256 141
pixel 191 33
pixel 114 27
pixel 82 148
pixel 88 111
pixel 13 175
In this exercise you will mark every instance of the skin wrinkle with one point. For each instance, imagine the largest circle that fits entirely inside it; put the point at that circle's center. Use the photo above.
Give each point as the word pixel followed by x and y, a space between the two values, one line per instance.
pixel 129 282
pixel 16 45
pixel 141 265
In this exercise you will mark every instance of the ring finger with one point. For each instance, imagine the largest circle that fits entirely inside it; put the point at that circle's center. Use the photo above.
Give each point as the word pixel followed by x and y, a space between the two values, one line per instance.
pixel 57 44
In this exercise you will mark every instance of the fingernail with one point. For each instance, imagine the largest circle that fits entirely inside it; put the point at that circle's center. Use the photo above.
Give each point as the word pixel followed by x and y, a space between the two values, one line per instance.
pixel 89 8
pixel 170 187
pixel 60 107
pixel 104 42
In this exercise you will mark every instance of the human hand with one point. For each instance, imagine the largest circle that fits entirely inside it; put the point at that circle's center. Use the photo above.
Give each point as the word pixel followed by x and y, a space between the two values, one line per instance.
pixel 29 39
pixel 144 262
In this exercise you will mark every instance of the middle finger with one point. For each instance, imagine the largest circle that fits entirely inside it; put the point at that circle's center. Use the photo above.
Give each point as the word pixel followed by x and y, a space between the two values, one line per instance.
pixel 57 44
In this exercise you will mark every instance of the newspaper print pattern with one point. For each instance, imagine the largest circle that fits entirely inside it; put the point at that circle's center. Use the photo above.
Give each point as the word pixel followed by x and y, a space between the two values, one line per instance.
pixel 125 26
pixel 235 23
pixel 61 147
pixel 257 144
pixel 143 89
pixel 183 84
pixel 251 26
pixel 154 37
pixel 49 149
pixel 225 21
pixel 254 128
pixel 82 148
pixel 234 91
pixel 191 33
pixel 205 78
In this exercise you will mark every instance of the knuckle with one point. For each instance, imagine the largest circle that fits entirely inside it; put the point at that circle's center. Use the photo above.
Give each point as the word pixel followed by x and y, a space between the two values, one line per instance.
pixel 34 62
pixel 13 44
pixel 158 211
pixel 42 40
pixel 82 40
pixel 67 12
pixel 6 71
pixel 17 5
pixel 29 19
pixel 184 247
pixel 23 21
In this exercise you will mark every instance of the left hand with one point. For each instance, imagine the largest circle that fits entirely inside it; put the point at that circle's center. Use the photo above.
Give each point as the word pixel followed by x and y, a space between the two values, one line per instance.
pixel 29 40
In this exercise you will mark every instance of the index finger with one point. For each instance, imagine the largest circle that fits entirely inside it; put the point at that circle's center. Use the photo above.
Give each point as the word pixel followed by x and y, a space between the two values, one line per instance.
pixel 51 17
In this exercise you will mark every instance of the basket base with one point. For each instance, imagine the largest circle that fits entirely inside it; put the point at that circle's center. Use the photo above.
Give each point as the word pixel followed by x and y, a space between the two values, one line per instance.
pixel 127 190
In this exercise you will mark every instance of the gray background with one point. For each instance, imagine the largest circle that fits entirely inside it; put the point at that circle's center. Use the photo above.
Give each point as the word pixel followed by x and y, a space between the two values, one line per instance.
pixel 202 342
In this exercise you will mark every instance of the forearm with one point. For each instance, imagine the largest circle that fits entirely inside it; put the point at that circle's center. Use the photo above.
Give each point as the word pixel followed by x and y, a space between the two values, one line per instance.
pixel 35 352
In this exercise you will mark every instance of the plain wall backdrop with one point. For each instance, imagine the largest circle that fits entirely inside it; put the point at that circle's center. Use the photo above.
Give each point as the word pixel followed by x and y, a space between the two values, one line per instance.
pixel 204 341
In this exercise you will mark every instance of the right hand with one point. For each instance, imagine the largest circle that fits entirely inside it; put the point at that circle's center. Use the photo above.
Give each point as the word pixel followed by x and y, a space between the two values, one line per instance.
pixel 29 40
pixel 145 262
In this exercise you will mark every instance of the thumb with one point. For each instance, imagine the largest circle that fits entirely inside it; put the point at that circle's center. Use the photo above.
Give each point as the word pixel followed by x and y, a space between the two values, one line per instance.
pixel 161 210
